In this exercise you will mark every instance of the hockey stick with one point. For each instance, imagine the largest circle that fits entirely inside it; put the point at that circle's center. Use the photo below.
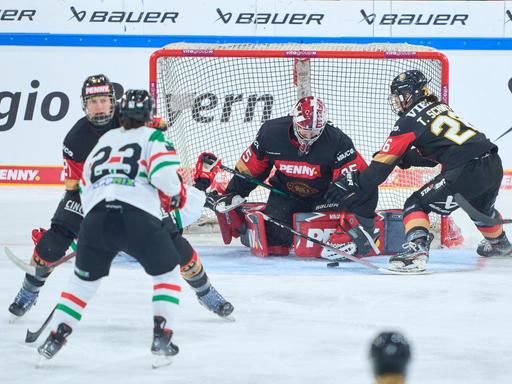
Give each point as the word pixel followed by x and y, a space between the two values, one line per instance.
pixel 253 180
pixel 33 336
pixel 477 215
pixel 31 269
pixel 335 250
pixel 503 134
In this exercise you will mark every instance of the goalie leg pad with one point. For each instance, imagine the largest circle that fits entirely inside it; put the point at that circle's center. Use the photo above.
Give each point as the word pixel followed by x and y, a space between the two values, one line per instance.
pixel 231 225
pixel 256 234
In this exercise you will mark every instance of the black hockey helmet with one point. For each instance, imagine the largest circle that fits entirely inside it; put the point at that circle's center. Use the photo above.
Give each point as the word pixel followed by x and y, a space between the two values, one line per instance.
pixel 390 353
pixel 136 104
pixel 98 85
pixel 407 89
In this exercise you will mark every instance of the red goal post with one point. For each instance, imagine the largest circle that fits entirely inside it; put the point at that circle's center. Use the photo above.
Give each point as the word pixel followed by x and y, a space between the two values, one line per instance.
pixel 215 97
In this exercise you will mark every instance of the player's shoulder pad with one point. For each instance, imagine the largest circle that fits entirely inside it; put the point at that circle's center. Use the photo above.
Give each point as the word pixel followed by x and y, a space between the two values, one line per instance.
pixel 283 122
pixel 273 128
pixel 157 135
pixel 402 125
pixel 73 141
pixel 336 135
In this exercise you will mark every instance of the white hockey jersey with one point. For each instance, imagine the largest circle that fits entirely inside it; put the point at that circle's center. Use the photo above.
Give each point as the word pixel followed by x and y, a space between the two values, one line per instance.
pixel 129 166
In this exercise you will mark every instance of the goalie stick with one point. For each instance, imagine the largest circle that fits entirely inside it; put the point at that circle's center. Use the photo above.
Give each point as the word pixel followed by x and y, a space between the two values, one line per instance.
pixel 31 269
pixel 253 180
pixel 339 252
pixel 477 215
pixel 33 336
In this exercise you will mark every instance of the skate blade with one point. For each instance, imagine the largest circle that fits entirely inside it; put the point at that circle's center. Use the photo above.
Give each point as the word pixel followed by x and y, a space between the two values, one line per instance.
pixel 13 318
pixel 229 318
pixel 162 361
pixel 404 272
pixel 412 270
pixel 43 363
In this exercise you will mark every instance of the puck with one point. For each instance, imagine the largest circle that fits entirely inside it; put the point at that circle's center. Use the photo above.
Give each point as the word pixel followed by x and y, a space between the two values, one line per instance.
pixel 333 264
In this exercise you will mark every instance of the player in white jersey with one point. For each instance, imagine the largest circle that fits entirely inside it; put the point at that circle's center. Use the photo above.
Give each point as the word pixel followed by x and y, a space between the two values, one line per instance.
pixel 123 178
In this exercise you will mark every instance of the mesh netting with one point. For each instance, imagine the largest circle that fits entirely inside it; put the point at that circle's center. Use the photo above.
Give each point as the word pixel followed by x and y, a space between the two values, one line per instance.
pixel 216 99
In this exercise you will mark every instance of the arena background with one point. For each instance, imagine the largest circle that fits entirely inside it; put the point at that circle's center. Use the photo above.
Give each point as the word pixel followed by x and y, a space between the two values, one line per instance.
pixel 49 48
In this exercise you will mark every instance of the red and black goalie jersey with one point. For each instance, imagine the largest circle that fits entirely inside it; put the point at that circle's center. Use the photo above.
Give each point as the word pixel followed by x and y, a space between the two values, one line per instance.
pixel 79 142
pixel 306 176
pixel 437 134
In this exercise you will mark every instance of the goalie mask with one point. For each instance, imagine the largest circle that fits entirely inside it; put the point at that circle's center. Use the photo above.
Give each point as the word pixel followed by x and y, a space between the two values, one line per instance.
pixel 407 89
pixel 136 104
pixel 308 121
pixel 98 99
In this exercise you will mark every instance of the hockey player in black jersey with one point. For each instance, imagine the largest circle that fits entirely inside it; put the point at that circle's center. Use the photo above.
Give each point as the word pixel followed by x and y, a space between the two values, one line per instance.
pixel 307 153
pixel 101 115
pixel 428 133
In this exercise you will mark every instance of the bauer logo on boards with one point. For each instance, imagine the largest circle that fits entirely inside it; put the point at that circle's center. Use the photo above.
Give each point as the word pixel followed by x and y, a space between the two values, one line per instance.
pixel 270 18
pixel 123 16
pixel 415 18
pixel 17 14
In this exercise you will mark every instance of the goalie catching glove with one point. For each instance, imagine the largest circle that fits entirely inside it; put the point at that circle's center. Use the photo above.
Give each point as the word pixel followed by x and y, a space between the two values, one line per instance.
pixel 223 203
pixel 207 167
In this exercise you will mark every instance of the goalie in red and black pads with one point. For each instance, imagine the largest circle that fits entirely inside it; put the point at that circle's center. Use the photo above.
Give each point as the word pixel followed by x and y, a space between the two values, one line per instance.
pixel 307 153
pixel 101 115
pixel 428 133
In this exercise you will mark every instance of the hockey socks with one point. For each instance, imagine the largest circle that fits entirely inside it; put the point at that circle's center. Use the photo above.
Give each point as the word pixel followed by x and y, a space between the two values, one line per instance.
pixel 68 312
pixel 166 297
pixel 195 276
pixel 73 301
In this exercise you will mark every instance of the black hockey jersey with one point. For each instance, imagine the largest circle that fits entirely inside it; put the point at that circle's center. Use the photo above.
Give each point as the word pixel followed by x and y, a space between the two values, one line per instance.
pixel 79 142
pixel 305 176
pixel 436 132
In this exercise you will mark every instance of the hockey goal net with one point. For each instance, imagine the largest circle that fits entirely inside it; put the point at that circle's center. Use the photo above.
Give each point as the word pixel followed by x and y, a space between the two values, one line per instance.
pixel 216 96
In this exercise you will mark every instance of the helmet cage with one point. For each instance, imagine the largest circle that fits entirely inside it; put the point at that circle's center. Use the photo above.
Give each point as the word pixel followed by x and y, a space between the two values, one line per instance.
pixel 407 89
pixel 94 86
pixel 308 116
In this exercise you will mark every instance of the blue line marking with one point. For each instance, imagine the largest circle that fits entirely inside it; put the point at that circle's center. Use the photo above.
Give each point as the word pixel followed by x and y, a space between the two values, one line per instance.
pixel 157 41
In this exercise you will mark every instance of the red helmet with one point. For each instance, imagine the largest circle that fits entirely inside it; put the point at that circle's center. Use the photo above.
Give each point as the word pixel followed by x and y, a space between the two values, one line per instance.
pixel 308 121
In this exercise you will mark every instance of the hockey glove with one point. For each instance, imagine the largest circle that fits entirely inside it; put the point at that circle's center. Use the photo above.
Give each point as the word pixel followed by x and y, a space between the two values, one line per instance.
pixel 343 189
pixel 157 122
pixel 223 203
pixel 170 203
pixel 207 167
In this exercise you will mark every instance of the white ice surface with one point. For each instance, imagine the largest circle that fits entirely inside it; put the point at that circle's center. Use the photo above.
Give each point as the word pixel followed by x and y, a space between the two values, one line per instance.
pixel 296 321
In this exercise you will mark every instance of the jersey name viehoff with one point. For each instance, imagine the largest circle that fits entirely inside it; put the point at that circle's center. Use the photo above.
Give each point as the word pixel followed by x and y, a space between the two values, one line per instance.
pixel 300 169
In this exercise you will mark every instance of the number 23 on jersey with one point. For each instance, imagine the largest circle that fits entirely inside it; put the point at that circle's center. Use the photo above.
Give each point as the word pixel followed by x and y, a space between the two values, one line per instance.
pixel 124 161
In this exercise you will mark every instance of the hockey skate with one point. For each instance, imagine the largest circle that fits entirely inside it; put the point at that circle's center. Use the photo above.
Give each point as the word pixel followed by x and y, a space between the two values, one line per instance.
pixel 214 302
pixel 162 345
pixel 22 303
pixel 414 258
pixel 55 341
pixel 500 246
